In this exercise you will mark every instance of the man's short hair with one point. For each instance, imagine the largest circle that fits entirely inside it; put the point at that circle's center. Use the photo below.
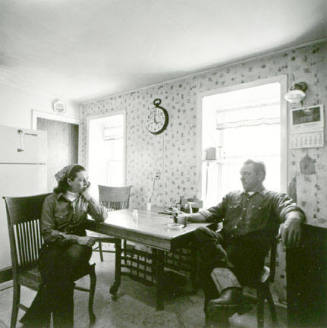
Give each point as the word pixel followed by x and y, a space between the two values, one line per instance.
pixel 259 167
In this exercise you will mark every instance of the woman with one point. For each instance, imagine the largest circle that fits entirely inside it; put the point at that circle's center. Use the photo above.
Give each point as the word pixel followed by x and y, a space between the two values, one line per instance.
pixel 65 255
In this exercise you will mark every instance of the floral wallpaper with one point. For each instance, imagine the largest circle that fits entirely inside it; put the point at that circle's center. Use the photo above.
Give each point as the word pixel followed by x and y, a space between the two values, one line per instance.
pixel 173 152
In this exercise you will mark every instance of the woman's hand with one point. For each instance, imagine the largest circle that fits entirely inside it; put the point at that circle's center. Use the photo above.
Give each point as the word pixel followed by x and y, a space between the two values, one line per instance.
pixel 86 192
pixel 86 241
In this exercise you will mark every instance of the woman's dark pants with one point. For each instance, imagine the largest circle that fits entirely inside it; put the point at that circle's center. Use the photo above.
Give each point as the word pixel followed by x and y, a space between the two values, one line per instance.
pixel 60 265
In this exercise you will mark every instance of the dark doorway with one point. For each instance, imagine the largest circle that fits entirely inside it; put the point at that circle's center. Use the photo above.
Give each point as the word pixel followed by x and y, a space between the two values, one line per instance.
pixel 62 146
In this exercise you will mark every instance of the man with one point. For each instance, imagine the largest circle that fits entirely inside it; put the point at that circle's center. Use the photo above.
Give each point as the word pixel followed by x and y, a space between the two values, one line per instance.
pixel 235 256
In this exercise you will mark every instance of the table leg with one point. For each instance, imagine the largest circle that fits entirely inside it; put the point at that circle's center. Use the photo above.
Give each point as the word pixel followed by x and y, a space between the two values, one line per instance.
pixel 194 270
pixel 114 287
pixel 158 269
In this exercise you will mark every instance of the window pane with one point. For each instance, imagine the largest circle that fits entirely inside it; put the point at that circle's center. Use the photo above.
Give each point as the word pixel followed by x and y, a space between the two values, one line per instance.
pixel 106 150
pixel 115 173
pixel 115 149
pixel 247 142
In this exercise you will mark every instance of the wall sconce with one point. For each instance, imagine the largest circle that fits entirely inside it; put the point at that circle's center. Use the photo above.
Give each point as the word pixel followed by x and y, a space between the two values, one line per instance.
pixel 296 93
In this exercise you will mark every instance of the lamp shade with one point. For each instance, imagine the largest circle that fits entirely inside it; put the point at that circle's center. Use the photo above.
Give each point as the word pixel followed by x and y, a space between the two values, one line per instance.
pixel 294 96
pixel 297 93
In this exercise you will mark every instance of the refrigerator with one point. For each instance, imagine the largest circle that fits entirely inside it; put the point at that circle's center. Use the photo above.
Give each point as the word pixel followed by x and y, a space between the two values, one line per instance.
pixel 23 172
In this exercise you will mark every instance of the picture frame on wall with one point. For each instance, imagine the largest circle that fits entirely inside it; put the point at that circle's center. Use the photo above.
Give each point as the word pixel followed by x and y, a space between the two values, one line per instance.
pixel 307 127
pixel 307 119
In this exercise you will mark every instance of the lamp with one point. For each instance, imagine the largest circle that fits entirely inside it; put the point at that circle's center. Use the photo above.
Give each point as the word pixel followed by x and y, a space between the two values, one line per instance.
pixel 296 93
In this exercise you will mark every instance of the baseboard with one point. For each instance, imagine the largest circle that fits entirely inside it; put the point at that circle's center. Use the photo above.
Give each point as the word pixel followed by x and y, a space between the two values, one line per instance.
pixel 5 274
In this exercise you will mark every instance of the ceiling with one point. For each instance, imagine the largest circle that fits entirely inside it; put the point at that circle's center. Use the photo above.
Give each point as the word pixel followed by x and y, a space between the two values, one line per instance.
pixel 81 49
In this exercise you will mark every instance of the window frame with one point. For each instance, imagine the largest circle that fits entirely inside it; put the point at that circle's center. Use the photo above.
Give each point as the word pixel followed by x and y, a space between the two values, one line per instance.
pixel 282 80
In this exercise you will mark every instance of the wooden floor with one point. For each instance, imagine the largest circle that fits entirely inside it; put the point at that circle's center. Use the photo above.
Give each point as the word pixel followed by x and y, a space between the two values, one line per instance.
pixel 134 307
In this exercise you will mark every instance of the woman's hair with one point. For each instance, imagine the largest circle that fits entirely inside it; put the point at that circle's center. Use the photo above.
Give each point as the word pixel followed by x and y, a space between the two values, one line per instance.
pixel 63 185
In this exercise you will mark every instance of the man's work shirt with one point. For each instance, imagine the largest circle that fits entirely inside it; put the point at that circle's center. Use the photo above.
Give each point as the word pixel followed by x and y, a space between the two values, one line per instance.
pixel 62 216
pixel 256 216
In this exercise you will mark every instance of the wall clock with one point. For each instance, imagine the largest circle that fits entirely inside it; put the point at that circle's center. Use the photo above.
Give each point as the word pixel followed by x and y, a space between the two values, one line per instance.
pixel 157 119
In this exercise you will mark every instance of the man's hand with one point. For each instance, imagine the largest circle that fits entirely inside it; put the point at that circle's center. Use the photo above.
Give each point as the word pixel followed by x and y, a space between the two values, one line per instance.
pixel 86 241
pixel 182 218
pixel 291 232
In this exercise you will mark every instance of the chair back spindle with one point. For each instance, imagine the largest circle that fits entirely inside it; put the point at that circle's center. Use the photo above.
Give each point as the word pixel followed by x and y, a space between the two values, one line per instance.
pixel 272 264
pixel 28 241
pixel 23 215
pixel 114 198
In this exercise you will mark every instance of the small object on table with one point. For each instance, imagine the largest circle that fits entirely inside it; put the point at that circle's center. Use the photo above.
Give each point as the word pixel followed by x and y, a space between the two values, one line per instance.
pixel 175 217
pixel 135 214
pixel 175 226
pixel 166 211
pixel 176 212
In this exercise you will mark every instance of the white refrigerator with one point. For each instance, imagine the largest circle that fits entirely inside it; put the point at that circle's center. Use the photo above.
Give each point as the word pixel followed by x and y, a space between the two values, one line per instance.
pixel 23 171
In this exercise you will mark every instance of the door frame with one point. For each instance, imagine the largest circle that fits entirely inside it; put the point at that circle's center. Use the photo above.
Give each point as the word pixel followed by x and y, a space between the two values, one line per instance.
pixel 55 117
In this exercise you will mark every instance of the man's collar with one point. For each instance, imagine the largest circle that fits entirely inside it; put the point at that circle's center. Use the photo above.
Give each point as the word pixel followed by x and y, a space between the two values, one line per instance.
pixel 259 190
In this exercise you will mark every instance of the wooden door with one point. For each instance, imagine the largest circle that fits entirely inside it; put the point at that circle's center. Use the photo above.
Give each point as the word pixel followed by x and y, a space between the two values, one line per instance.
pixel 62 146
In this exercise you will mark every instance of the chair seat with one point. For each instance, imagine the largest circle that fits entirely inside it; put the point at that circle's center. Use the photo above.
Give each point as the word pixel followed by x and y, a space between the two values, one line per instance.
pixel 30 277
pixel 264 274
pixel 263 278
pixel 89 269
pixel 100 236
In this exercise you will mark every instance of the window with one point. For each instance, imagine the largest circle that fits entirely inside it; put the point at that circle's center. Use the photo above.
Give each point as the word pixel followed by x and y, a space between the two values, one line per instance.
pixel 113 133
pixel 106 157
pixel 241 124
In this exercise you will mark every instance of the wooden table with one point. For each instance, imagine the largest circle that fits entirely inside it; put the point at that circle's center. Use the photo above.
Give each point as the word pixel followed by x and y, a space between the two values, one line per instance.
pixel 148 228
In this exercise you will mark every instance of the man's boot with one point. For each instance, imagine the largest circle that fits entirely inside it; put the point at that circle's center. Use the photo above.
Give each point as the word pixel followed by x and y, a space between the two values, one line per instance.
pixel 229 296
pixel 225 305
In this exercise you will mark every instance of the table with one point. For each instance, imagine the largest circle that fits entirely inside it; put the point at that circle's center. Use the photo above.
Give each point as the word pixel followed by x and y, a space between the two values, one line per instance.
pixel 148 228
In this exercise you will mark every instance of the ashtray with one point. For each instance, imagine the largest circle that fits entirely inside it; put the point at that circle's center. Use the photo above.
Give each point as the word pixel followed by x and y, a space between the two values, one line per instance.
pixel 175 226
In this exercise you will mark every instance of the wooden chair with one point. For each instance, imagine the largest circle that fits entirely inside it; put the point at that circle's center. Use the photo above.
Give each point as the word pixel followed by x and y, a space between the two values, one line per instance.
pixel 23 214
pixel 263 293
pixel 263 289
pixel 113 198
